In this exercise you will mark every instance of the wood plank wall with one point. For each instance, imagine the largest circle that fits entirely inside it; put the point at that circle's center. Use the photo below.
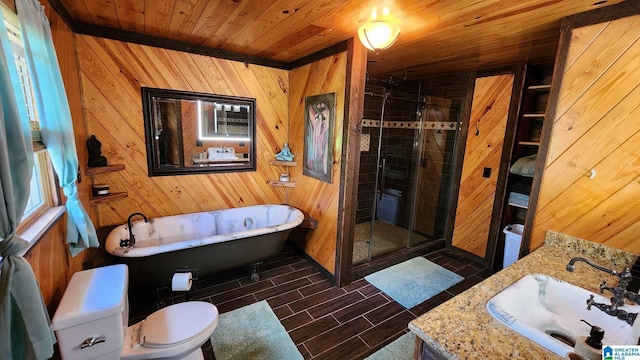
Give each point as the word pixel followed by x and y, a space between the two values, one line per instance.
pixel 112 73
pixel 596 126
pixel 489 114
pixel 319 199
pixel 51 266
pixel 10 4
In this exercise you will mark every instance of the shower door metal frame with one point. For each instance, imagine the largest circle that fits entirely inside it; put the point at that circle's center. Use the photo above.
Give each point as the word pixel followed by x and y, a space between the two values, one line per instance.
pixel 374 206
pixel 417 152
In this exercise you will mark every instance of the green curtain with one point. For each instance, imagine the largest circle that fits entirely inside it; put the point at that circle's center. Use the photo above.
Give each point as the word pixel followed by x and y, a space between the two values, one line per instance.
pixel 25 328
pixel 55 119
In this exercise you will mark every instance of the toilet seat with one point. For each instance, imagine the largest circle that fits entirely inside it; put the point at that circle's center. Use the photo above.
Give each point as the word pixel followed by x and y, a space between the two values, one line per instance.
pixel 176 324
pixel 190 325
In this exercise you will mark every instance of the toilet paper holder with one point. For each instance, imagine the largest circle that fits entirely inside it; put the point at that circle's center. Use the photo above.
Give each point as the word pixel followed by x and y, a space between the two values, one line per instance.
pixel 182 279
pixel 186 269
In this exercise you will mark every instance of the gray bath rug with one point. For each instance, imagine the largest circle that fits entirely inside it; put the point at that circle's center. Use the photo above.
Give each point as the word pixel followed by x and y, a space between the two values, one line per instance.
pixel 252 332
pixel 413 281
pixel 401 349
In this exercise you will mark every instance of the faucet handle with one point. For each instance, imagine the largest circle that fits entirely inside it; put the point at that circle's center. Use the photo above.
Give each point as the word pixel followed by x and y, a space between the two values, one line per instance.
pixel 602 286
pixel 625 277
pixel 128 243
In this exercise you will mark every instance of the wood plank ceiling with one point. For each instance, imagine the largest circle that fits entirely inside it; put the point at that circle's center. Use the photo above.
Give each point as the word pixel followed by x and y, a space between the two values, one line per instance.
pixel 438 36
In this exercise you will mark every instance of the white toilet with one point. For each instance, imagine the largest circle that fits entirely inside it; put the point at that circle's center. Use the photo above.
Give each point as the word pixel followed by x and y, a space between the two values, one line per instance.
pixel 91 322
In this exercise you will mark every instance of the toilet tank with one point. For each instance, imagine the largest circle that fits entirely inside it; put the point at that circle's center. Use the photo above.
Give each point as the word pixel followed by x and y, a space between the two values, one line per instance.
pixel 94 306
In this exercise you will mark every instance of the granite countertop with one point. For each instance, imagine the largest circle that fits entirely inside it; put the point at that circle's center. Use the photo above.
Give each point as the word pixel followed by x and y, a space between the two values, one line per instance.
pixel 461 328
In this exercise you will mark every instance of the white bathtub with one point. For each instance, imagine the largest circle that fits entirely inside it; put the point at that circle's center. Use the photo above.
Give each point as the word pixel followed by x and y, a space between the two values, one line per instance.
pixel 207 241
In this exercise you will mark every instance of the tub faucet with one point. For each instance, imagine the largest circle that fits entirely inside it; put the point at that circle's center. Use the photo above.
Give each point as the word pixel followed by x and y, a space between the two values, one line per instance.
pixel 620 292
pixel 131 241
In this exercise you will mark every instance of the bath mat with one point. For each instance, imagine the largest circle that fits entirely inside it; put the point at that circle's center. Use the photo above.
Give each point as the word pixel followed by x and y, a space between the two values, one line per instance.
pixel 413 281
pixel 400 349
pixel 252 332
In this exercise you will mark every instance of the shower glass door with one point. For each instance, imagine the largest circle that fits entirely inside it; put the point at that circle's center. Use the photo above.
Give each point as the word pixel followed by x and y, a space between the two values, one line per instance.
pixel 404 174
pixel 431 180
pixel 387 167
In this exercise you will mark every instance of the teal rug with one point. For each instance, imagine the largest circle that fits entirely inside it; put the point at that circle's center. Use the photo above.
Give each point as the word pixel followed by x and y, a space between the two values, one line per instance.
pixel 252 332
pixel 401 349
pixel 413 281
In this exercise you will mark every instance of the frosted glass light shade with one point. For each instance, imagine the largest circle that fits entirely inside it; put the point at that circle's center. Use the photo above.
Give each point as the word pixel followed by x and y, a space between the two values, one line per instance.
pixel 378 35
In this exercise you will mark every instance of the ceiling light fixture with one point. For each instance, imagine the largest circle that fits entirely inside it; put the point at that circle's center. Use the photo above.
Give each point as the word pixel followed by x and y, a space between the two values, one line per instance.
pixel 379 33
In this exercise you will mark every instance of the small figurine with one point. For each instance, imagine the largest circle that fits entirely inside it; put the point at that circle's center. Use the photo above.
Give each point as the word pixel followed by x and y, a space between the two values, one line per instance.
pixel 95 154
pixel 285 154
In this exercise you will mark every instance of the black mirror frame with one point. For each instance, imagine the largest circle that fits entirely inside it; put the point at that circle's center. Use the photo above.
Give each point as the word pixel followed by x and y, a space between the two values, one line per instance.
pixel 152 159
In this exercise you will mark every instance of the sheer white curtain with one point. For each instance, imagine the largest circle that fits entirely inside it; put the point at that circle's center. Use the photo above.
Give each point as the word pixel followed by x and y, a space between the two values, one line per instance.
pixel 55 119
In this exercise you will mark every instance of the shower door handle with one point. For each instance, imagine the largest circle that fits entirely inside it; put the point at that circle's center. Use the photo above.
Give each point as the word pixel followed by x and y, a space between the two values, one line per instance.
pixel 384 169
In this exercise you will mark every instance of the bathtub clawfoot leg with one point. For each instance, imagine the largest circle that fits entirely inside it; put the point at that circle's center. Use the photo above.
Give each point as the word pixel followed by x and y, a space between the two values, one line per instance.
pixel 254 271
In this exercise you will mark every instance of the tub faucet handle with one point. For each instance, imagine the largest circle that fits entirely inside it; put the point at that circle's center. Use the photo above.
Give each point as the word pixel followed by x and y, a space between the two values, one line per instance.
pixel 127 243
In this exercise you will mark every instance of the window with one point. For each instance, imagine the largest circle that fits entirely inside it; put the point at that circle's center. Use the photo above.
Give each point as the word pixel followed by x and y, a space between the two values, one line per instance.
pixel 43 193
pixel 43 187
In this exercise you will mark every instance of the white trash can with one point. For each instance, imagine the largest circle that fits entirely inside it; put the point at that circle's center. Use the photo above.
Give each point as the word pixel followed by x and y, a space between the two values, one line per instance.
pixel 512 242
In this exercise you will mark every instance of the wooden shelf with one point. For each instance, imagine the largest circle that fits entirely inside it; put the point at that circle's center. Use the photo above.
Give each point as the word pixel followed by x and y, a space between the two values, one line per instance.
pixel 287 164
pixel 283 163
pixel 528 131
pixel 287 184
pixel 95 200
pixel 103 169
pixel 518 206
pixel 543 87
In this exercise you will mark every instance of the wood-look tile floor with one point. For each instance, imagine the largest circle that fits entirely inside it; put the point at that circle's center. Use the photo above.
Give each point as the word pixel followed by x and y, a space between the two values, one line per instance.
pixel 324 321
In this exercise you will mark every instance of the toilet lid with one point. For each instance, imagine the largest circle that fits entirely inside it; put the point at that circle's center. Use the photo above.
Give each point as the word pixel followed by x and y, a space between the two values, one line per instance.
pixel 177 323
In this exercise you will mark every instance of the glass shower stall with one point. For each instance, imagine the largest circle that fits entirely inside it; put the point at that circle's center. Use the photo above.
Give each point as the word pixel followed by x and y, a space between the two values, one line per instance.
pixel 406 154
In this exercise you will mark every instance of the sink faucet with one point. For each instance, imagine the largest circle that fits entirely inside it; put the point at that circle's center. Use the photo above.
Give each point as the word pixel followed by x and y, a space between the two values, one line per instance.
pixel 131 241
pixel 620 292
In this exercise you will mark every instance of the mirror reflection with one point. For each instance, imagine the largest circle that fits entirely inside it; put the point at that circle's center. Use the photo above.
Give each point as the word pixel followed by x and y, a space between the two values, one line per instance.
pixel 190 132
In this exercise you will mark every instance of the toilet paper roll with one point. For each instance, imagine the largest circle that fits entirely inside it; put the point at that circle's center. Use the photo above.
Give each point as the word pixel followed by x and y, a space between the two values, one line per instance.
pixel 181 281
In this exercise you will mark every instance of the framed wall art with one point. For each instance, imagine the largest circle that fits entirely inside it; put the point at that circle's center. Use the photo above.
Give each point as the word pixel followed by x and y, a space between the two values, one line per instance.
pixel 319 118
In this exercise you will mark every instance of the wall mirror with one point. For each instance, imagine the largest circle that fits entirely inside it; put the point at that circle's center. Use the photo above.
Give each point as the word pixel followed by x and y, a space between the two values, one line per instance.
pixel 193 133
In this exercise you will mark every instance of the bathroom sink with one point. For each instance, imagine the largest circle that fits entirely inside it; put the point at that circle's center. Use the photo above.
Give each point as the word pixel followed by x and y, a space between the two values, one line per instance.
pixel 548 311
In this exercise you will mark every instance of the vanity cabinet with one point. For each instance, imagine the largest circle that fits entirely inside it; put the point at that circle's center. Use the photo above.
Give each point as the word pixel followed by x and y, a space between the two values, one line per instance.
pixel 92 171
pixel 424 351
